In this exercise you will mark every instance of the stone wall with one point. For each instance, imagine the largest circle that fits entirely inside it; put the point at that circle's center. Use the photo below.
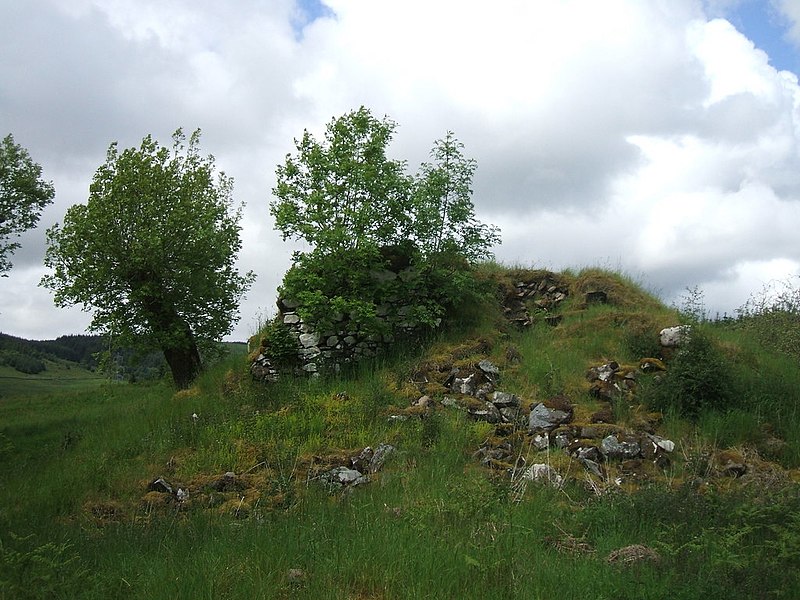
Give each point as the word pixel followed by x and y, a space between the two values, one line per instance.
pixel 330 348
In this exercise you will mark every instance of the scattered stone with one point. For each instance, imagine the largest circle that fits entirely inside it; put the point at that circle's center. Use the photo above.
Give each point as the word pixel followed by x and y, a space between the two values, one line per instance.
pixel 159 485
pixel 593 467
pixel 542 472
pixel 665 445
pixel 603 372
pixel 486 412
pixel 382 452
pixel 343 477
pixel 450 402
pixel 731 463
pixel 505 400
pixel 651 365
pixel 562 439
pixel 543 418
pixel 371 461
pixel 541 441
pixel 491 371
pixel 423 401
pixel 612 448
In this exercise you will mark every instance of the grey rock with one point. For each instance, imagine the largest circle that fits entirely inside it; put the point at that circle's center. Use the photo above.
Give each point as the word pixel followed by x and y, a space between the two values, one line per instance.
pixel 464 385
pixel 672 337
pixel 505 400
pixel 159 485
pixel 342 476
pixel 541 441
pixel 591 466
pixel 291 318
pixel 379 457
pixel 513 414
pixel 545 418
pixel 542 472
pixel 489 369
pixel 450 402
pixel 307 340
pixel 488 412
pixel 612 448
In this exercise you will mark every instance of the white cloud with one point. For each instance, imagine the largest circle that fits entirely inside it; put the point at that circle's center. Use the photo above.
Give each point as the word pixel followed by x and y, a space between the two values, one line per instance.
pixel 790 9
pixel 632 133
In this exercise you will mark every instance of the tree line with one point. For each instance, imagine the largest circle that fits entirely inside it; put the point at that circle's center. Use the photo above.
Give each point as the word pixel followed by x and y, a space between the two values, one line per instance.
pixel 152 252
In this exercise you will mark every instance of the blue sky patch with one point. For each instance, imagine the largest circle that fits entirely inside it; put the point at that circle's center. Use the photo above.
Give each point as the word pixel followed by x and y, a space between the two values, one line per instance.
pixel 767 29
pixel 307 12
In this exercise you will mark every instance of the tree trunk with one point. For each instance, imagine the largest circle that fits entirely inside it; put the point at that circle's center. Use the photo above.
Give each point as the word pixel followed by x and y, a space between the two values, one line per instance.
pixel 179 347
pixel 184 362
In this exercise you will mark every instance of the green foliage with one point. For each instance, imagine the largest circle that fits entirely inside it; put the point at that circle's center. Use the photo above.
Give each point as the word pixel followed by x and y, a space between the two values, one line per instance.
pixel 278 343
pixel 23 195
pixel 376 234
pixel 152 253
pixel 773 317
pixel 444 219
pixel 21 362
pixel 49 570
pixel 698 377
pixel 343 193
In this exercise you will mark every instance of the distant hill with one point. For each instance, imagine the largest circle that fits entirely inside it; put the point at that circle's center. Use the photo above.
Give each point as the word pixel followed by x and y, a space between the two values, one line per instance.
pixel 31 357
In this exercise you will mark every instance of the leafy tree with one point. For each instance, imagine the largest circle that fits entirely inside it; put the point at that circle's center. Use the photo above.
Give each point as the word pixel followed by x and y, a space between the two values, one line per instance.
pixel 23 195
pixel 363 215
pixel 153 251
pixel 343 193
pixel 445 217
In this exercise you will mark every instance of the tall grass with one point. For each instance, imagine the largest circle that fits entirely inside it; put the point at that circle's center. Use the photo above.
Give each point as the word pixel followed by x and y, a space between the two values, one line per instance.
pixel 432 523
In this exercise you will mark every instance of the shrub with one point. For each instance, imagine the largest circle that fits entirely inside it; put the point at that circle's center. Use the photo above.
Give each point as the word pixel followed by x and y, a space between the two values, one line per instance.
pixel 699 377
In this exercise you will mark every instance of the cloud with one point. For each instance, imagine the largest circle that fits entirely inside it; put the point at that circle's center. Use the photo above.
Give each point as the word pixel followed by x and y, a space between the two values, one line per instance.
pixel 790 10
pixel 643 135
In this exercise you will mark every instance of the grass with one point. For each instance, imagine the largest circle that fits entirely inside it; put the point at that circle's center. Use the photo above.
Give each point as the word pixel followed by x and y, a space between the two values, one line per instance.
pixel 76 519
pixel 60 376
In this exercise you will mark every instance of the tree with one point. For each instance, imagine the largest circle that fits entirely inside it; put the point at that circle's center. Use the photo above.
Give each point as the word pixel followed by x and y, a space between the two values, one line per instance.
pixel 343 193
pixel 362 214
pixel 153 251
pixel 445 216
pixel 23 195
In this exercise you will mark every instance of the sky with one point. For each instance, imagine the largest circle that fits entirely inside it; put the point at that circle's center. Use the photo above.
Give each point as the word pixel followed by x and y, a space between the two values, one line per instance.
pixel 660 138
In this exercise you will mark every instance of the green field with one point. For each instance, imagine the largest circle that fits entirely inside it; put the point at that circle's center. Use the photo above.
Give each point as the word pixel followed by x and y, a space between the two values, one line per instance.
pixel 78 520
pixel 59 377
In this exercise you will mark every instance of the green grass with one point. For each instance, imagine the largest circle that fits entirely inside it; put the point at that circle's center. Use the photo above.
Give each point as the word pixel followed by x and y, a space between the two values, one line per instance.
pixel 59 376
pixel 75 522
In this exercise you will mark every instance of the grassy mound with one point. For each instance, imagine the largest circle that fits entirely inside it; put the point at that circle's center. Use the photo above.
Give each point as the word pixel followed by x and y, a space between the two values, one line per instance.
pixel 225 490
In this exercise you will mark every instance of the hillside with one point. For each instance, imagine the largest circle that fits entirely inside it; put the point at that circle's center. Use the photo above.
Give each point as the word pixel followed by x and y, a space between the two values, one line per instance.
pixel 70 362
pixel 546 443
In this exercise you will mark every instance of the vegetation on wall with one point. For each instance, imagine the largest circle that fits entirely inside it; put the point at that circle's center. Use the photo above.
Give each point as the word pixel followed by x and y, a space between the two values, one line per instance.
pixel 377 234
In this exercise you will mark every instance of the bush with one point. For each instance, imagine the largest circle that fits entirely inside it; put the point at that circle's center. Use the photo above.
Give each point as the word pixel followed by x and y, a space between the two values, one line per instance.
pixel 773 318
pixel 699 377
pixel 278 343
